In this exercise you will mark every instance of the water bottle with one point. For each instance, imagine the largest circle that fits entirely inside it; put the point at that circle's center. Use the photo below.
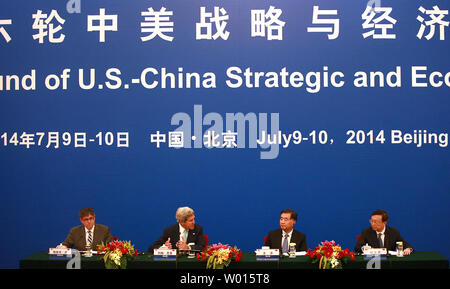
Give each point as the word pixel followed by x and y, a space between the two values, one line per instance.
pixel 291 250
pixel 399 249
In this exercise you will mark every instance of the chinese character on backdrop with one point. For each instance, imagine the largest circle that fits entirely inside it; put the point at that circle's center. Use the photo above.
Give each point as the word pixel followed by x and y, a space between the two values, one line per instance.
pixel 436 17
pixel 378 25
pixel 45 28
pixel 157 23
pixel 332 24
pixel 262 21
pixel 105 23
pixel 204 29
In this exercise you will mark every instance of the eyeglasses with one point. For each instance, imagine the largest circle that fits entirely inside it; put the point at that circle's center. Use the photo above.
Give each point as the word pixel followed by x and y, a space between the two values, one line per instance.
pixel 88 219
pixel 375 222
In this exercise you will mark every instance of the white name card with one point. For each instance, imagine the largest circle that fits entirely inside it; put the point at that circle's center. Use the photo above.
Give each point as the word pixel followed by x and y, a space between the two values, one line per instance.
pixel 267 254
pixel 60 251
pixel 375 251
pixel 165 254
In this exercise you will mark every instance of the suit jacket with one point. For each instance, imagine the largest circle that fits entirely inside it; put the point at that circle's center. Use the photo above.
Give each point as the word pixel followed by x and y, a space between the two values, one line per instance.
pixel 274 240
pixel 77 237
pixel 391 237
pixel 173 232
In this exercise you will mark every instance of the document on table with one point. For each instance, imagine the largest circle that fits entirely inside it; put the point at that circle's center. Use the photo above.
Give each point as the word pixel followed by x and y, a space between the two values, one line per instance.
pixel 300 253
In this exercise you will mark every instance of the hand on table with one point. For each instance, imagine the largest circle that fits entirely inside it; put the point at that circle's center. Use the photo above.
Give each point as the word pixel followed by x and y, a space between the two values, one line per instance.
pixel 407 251
pixel 182 244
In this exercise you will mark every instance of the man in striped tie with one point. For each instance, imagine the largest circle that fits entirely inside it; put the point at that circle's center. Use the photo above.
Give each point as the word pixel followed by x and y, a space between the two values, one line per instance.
pixel 88 235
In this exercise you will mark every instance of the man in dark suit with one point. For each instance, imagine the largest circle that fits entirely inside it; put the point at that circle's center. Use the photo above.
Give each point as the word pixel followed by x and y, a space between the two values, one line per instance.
pixel 379 235
pixel 280 238
pixel 88 235
pixel 180 235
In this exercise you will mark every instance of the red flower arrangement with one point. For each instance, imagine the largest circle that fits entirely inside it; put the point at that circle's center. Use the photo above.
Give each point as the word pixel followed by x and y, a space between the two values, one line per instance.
pixel 219 256
pixel 117 253
pixel 329 255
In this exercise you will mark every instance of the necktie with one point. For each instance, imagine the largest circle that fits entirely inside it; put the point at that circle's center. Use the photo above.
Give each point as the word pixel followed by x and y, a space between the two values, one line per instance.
pixel 185 234
pixel 285 243
pixel 380 241
pixel 89 239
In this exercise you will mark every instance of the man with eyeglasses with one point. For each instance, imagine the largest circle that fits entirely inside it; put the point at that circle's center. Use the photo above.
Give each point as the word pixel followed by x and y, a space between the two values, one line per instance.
pixel 379 235
pixel 88 235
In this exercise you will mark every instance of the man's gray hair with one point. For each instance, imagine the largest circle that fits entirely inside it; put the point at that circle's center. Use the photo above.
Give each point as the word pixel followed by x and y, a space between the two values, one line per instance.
pixel 183 214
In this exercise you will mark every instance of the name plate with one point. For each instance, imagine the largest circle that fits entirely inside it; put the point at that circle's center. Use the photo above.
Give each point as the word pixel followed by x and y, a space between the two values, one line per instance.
pixel 267 254
pixel 165 254
pixel 375 251
pixel 60 253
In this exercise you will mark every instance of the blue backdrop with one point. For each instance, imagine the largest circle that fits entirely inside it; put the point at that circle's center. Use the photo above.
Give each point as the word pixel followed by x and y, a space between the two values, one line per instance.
pixel 237 196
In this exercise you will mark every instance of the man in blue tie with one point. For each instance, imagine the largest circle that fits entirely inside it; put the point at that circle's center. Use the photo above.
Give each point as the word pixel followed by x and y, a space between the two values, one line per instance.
pixel 379 235
pixel 281 238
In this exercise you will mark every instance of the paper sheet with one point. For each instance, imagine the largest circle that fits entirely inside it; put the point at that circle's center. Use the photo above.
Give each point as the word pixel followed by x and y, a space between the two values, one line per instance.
pixel 300 253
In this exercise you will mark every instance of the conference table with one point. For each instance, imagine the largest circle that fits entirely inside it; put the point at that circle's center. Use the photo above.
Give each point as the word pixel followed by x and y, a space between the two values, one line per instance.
pixel 417 260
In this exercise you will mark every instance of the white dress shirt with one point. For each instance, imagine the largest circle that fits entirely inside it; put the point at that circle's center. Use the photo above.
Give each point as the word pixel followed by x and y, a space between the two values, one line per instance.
pixel 182 230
